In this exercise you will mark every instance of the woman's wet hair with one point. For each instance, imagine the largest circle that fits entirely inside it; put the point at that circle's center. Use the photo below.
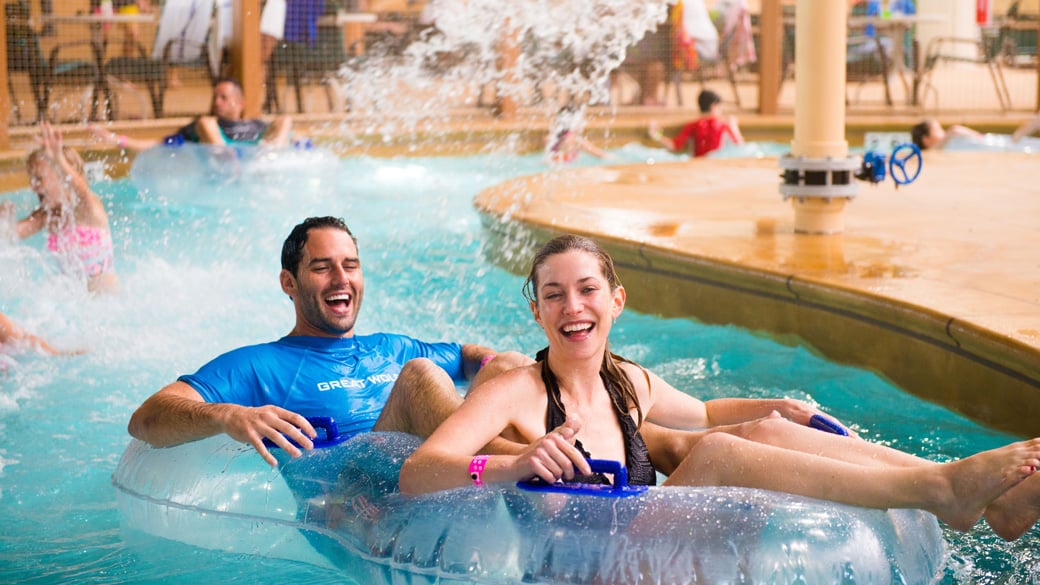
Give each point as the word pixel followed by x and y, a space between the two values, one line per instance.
pixel 561 244
pixel 292 249
pixel 609 369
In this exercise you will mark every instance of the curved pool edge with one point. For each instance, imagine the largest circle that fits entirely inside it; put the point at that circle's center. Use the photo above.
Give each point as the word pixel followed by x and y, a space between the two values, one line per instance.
pixel 932 286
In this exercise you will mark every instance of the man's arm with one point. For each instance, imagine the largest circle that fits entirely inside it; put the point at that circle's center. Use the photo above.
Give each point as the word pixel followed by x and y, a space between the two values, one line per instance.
pixel 278 132
pixel 208 130
pixel 178 414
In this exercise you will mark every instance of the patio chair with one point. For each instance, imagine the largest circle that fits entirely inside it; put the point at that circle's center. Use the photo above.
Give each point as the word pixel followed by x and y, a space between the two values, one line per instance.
pixel 1017 36
pixel 47 72
pixel 867 59
pixel 301 63
pixel 951 50
pixel 140 70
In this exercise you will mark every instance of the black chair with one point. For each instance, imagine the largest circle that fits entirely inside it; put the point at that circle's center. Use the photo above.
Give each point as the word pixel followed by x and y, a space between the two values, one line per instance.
pixel 142 70
pixel 961 50
pixel 1017 36
pixel 48 72
pixel 867 59
pixel 301 63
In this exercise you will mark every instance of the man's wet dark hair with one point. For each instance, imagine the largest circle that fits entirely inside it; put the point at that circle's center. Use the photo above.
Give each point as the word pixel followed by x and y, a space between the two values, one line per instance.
pixel 230 80
pixel 919 132
pixel 706 99
pixel 292 249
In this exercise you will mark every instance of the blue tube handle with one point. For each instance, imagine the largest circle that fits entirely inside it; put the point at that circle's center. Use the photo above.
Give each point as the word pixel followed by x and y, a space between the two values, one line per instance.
pixel 328 433
pixel 619 471
pixel 828 425
pixel 619 489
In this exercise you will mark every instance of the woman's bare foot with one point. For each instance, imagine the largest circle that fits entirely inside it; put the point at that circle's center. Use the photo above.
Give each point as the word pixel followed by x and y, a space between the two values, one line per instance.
pixel 1015 512
pixel 977 481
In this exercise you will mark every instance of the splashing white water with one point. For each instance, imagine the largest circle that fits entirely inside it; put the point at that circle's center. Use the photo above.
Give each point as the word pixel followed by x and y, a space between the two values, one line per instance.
pixel 567 48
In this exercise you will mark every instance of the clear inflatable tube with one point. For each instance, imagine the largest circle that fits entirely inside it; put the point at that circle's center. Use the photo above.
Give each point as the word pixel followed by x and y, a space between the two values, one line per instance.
pixel 189 172
pixel 339 507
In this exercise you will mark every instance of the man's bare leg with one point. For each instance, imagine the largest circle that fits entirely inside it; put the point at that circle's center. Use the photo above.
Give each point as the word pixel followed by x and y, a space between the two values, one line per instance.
pixel 669 447
pixel 424 395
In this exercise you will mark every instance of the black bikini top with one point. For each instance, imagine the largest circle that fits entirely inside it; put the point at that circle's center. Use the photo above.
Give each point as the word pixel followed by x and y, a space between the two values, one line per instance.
pixel 637 458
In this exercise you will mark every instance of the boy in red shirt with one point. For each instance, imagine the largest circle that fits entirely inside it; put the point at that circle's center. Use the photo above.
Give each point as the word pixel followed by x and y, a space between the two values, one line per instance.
pixel 706 133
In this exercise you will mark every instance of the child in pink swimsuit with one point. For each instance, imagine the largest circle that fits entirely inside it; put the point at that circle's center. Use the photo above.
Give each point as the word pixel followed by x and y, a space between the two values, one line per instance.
pixel 73 214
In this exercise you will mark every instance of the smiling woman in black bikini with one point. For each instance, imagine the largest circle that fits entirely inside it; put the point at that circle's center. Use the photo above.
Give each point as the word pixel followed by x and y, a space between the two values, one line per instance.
pixel 580 399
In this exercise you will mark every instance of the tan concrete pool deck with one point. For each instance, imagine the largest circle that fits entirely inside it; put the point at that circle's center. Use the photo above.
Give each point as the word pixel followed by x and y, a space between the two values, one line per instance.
pixel 936 285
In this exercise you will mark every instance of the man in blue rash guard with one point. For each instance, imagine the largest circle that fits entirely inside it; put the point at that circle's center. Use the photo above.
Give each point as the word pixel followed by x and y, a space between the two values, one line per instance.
pixel 380 382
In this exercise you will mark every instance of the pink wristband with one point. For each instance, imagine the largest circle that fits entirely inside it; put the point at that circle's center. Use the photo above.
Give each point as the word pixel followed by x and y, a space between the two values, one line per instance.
pixel 122 141
pixel 486 359
pixel 476 469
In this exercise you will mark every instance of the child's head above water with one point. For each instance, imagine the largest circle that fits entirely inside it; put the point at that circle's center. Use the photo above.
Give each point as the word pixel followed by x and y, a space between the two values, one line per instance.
pixel 45 175
pixel 707 99
pixel 39 156
pixel 927 133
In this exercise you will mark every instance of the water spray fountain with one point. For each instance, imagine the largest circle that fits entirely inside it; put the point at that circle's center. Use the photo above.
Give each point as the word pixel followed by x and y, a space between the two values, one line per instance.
pixel 544 53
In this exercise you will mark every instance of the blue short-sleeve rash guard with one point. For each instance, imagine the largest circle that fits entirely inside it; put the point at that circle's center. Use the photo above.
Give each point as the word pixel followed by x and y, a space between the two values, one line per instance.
pixel 347 378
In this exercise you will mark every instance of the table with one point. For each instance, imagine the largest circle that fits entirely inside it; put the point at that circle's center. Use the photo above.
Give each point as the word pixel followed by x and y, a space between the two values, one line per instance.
pixel 353 29
pixel 98 18
pixel 897 26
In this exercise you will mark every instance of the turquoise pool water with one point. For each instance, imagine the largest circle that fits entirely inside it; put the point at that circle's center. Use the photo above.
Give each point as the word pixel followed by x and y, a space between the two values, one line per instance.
pixel 199 274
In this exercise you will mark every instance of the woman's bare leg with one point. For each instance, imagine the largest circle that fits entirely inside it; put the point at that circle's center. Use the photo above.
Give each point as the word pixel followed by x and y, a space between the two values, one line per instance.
pixel 781 432
pixel 957 492
pixel 1009 515
pixel 1015 512
pixel 669 447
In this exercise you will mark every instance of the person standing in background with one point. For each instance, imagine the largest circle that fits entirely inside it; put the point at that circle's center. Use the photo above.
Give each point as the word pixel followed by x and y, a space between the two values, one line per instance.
pixel 131 32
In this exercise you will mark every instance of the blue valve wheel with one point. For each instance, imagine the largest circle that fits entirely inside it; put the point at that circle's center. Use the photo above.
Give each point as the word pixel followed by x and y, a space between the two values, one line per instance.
pixel 904 164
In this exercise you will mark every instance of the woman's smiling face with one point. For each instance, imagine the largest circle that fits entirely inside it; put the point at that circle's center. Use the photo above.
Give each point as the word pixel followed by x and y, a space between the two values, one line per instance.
pixel 575 304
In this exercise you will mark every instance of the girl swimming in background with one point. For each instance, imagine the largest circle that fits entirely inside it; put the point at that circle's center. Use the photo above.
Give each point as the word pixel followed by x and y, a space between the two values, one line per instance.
pixel 565 140
pixel 580 400
pixel 568 144
pixel 74 216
